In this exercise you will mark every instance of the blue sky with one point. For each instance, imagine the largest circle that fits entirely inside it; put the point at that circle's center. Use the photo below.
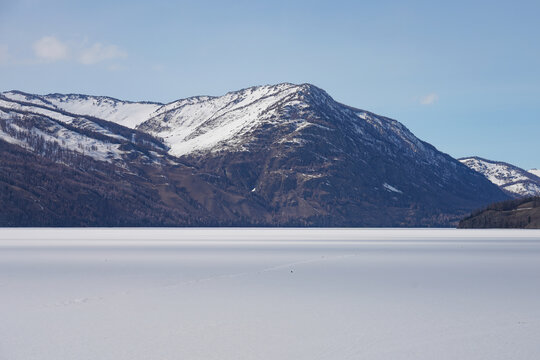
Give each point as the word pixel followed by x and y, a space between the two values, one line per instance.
pixel 462 75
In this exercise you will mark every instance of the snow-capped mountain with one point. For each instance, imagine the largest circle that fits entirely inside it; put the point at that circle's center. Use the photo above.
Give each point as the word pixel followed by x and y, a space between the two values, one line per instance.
pixel 281 154
pixel 209 123
pixel 308 156
pixel 230 122
pixel 510 178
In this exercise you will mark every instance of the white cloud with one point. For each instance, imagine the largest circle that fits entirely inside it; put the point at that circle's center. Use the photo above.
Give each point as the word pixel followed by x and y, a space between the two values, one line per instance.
pixel 429 99
pixel 99 52
pixel 4 54
pixel 50 48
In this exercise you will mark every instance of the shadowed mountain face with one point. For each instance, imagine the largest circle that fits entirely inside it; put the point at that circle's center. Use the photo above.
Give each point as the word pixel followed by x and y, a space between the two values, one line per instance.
pixel 270 155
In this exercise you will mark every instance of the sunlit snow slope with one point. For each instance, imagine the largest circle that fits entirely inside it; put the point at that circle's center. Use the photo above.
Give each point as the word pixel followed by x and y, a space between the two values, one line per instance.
pixel 125 113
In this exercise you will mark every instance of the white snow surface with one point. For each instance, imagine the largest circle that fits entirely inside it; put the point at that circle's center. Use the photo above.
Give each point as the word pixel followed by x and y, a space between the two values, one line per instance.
pixel 535 172
pixel 395 294
pixel 129 114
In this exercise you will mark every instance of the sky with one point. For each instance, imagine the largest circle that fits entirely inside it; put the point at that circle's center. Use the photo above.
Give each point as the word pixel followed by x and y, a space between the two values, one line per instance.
pixel 461 75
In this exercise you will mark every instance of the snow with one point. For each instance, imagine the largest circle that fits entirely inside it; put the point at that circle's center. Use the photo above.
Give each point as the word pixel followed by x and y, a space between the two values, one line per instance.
pixel 506 176
pixel 524 189
pixel 535 172
pixel 497 173
pixel 129 114
pixel 126 113
pixel 290 294
pixel 10 139
pixel 200 124
pixel 391 188
pixel 36 110
pixel 79 122
pixel 64 137
pixel 28 98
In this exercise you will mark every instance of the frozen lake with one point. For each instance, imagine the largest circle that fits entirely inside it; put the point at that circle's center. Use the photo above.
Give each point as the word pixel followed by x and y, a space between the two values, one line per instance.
pixel 269 294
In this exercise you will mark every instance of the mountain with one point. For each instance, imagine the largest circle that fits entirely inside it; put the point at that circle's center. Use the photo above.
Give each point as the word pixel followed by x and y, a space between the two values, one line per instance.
pixel 511 179
pixel 270 155
pixel 523 213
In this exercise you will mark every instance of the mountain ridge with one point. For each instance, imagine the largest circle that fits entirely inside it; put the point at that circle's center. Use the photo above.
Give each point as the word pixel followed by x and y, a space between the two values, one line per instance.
pixel 275 155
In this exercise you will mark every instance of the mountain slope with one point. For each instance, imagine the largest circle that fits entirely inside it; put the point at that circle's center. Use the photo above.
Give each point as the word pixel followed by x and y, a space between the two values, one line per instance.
pixel 511 179
pixel 270 155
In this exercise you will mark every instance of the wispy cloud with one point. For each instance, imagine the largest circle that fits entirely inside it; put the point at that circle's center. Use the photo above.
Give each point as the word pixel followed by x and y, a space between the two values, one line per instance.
pixel 429 99
pixel 49 48
pixel 100 52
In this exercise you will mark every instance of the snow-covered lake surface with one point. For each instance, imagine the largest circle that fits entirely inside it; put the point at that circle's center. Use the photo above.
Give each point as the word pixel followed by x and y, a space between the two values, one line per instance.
pixel 269 294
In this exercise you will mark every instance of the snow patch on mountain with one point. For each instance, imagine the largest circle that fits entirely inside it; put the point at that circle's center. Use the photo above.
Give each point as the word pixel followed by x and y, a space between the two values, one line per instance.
pixel 392 188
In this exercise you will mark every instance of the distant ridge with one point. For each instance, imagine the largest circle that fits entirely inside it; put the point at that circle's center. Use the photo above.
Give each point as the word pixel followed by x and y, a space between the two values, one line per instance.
pixel 515 181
